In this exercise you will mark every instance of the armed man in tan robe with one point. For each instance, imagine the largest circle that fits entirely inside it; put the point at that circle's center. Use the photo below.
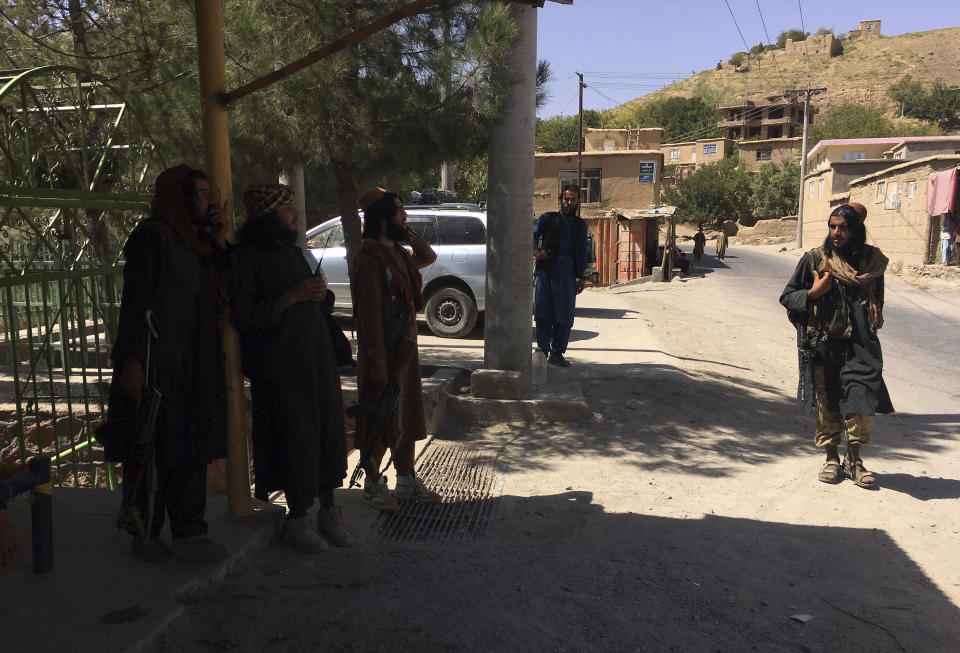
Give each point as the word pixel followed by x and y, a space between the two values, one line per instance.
pixel 387 294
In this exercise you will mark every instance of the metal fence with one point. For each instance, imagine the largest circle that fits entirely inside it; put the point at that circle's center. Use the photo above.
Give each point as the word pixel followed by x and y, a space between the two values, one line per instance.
pixel 58 327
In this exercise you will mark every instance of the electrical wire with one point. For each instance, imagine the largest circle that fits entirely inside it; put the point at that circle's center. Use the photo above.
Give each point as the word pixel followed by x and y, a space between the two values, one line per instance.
pixel 806 52
pixel 772 54
pixel 767 81
pixel 606 97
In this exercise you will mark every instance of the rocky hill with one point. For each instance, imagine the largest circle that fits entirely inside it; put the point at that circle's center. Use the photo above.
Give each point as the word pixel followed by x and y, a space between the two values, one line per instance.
pixel 861 74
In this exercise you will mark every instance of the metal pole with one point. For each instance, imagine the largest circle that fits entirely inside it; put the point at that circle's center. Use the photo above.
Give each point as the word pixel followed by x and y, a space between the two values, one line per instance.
pixel 509 295
pixel 580 144
pixel 803 166
pixel 216 155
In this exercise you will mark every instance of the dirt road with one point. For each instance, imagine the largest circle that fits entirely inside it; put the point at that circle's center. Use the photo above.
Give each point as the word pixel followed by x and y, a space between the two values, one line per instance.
pixel 684 517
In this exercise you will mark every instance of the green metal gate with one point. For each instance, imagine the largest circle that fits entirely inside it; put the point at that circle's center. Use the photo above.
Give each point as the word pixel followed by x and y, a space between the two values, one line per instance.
pixel 73 164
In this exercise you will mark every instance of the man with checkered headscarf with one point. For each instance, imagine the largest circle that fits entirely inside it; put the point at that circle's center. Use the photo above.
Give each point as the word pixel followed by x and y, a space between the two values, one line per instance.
pixel 278 306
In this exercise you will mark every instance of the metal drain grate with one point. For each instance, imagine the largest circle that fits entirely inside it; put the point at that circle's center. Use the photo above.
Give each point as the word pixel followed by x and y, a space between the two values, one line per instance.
pixel 469 487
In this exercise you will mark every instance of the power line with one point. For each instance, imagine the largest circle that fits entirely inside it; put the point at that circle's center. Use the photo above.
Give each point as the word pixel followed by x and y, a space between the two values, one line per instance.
pixel 806 51
pixel 745 42
pixel 772 54
pixel 606 97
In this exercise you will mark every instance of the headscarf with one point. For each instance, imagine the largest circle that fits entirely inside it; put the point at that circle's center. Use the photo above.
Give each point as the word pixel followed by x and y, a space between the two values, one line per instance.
pixel 872 266
pixel 169 206
pixel 264 199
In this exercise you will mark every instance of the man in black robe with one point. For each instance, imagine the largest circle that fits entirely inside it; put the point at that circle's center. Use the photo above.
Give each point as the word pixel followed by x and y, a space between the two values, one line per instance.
pixel 837 292
pixel 171 267
pixel 278 305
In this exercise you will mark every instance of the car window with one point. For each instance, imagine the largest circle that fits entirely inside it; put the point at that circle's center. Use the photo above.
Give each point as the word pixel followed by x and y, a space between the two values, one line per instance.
pixel 424 226
pixel 332 237
pixel 461 230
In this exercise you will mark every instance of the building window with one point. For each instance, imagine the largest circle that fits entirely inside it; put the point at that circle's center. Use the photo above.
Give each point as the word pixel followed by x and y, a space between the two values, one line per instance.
pixel 853 156
pixel 881 189
pixel 775 132
pixel 811 186
pixel 710 149
pixel 890 202
pixel 589 184
pixel 674 155
pixel 820 189
pixel 764 155
pixel 775 114
pixel 693 154
pixel 911 189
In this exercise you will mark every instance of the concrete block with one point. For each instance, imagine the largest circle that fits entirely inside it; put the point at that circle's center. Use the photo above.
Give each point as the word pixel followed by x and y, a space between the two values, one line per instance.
pixel 555 402
pixel 496 384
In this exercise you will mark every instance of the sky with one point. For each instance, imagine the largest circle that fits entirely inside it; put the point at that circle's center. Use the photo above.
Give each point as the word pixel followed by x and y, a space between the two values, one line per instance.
pixel 657 43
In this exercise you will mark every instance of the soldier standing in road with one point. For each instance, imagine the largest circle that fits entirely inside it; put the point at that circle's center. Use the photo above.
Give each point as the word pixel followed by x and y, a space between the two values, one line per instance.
pixel 837 291
pixel 560 250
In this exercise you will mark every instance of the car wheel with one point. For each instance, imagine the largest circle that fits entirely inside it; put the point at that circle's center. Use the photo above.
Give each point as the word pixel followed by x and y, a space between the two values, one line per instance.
pixel 451 313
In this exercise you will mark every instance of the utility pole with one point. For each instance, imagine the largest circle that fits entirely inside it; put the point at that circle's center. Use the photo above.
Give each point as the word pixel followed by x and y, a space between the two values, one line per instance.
pixel 447 171
pixel 807 93
pixel 580 143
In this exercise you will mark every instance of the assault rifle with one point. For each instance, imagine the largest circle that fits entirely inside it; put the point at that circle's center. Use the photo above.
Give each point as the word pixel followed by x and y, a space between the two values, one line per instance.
pixel 805 359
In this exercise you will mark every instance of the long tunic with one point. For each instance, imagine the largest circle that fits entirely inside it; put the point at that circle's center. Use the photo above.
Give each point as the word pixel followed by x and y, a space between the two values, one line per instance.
pixel 555 297
pixel 163 275
pixel 368 287
pixel 853 367
pixel 298 433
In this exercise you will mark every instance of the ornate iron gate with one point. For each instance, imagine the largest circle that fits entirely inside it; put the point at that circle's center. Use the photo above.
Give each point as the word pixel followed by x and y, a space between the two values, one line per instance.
pixel 73 164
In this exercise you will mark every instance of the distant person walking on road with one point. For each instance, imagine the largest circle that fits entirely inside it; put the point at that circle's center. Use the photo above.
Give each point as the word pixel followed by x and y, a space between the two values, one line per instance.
pixel 278 306
pixel 721 245
pixel 560 250
pixel 387 294
pixel 837 291
pixel 699 240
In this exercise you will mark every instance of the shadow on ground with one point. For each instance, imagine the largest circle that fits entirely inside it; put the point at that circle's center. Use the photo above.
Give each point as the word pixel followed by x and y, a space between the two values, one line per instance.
pixel 559 573
pixel 697 423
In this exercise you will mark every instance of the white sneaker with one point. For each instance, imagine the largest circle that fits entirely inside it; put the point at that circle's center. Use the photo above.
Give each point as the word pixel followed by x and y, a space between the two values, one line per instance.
pixel 376 494
pixel 411 488
pixel 330 525
pixel 302 536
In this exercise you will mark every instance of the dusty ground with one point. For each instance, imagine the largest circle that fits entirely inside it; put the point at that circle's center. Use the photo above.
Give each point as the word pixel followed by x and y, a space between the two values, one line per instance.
pixel 684 517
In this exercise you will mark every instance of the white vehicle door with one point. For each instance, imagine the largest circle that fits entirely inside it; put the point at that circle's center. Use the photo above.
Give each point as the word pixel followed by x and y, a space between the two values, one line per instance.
pixel 329 251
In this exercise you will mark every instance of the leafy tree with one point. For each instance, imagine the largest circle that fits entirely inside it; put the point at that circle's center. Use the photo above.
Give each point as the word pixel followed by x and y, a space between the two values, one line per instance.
pixel 940 104
pixel 757 49
pixel 794 35
pixel 681 118
pixel 715 192
pixel 737 58
pixel 824 30
pixel 544 77
pixel 853 120
pixel 774 190
pixel 559 133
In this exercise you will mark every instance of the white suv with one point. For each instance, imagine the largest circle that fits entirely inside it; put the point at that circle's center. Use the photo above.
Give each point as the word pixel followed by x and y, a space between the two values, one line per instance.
pixel 453 286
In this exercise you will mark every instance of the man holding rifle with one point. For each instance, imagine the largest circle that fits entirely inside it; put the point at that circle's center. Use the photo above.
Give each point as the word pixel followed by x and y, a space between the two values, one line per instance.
pixel 387 295
pixel 836 296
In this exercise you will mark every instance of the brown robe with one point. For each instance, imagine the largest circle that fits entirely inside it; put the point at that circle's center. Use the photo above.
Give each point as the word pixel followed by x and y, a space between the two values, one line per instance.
pixel 368 284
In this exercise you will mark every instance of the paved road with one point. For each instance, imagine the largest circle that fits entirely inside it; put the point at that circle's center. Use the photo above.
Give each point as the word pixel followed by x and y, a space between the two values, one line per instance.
pixel 684 517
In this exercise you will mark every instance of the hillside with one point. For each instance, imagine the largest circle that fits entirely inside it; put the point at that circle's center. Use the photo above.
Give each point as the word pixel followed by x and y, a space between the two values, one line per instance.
pixel 861 74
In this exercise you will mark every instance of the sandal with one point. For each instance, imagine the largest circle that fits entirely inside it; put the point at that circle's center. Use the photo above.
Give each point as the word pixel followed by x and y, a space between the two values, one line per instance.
pixel 859 474
pixel 830 472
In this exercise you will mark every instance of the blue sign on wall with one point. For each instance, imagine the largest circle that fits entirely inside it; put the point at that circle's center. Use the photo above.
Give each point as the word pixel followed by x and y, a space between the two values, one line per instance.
pixel 647 171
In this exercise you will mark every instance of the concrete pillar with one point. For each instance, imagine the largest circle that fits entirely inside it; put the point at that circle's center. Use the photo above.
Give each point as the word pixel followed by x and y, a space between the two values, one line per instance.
pixel 509 297
pixel 216 159
pixel 293 177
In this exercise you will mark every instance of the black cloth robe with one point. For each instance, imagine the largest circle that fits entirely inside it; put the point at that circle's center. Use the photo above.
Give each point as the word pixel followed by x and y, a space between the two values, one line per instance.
pixel 162 274
pixel 853 367
pixel 299 444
